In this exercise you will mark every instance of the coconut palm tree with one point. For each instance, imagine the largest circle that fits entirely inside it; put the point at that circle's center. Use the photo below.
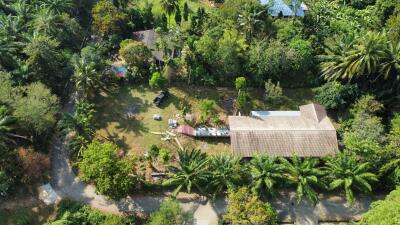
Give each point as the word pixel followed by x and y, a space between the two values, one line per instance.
pixel 225 172
pixel 266 173
pixel 365 58
pixel 305 175
pixel 86 78
pixel 346 172
pixel 391 62
pixel 190 171
pixel 169 7
pixel 248 21
pixel 333 63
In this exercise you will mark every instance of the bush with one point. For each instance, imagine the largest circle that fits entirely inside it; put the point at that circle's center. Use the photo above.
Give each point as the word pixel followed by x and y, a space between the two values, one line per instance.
pixel 164 155
pixel 170 213
pixel 336 96
pixel 247 209
pixel 69 212
pixel 384 211
pixel 158 81
pixel 153 152
pixel 100 165
pixel 273 92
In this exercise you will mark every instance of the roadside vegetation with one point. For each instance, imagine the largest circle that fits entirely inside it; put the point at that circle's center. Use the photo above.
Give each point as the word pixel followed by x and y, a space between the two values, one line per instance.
pixel 215 60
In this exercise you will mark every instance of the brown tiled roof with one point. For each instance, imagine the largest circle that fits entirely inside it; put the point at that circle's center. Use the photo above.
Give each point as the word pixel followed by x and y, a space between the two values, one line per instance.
pixel 310 134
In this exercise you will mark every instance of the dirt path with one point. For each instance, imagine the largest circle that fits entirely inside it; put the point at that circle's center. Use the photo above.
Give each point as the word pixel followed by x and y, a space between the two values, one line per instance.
pixel 67 185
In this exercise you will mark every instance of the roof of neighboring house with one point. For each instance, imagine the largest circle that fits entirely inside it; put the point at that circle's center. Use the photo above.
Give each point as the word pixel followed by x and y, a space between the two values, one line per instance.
pixel 307 132
pixel 149 38
pixel 277 6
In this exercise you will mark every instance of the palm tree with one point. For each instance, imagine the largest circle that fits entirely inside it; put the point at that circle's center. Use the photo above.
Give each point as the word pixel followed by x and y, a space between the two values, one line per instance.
pixel 58 6
pixel 346 172
pixel 333 63
pixel 364 59
pixel 86 78
pixel 225 171
pixel 391 62
pixel 266 173
pixel 190 171
pixel 169 7
pixel 248 20
pixel 305 174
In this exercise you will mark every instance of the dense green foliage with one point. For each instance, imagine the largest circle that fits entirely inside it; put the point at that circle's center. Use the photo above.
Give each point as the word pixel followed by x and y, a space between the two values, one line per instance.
pixel 112 176
pixel 246 209
pixel 385 211
pixel 72 213
pixel 170 213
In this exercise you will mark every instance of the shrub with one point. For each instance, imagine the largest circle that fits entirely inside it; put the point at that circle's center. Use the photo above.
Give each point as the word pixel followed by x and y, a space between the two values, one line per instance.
pixel 100 165
pixel 206 109
pixel 170 213
pixel 334 95
pixel 273 92
pixel 69 212
pixel 35 165
pixel 246 209
pixel 384 211
pixel 158 81
pixel 164 155
pixel 154 151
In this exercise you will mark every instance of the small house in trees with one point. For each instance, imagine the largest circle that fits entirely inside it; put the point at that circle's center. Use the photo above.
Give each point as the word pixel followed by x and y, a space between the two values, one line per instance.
pixel 149 38
pixel 307 132
pixel 278 8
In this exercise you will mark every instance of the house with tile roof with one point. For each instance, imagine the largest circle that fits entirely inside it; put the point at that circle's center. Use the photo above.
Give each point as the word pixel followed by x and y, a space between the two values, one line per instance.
pixel 307 132
pixel 280 8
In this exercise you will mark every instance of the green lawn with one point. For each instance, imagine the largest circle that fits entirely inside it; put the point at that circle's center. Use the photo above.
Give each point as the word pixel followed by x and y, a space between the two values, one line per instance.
pixel 134 135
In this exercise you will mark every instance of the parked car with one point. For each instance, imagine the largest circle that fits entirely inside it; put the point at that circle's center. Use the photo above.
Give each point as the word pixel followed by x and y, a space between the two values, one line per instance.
pixel 160 98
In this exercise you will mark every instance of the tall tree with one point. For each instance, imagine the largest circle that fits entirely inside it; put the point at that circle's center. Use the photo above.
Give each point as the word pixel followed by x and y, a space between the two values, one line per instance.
pixel 86 78
pixel 185 12
pixel 169 6
pixel 178 17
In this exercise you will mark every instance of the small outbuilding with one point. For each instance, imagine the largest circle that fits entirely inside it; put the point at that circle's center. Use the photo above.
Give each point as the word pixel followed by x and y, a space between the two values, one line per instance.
pixel 307 132
pixel 278 8
pixel 149 38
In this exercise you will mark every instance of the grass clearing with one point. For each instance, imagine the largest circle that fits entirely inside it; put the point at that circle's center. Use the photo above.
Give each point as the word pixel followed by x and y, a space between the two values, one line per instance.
pixel 134 135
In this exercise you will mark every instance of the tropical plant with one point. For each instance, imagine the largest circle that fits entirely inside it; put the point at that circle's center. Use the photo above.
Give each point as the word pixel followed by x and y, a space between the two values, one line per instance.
pixel 190 171
pixel 226 173
pixel 247 209
pixel 267 173
pixel 390 66
pixel 86 78
pixel 305 175
pixel 170 213
pixel 344 171
pixel 58 6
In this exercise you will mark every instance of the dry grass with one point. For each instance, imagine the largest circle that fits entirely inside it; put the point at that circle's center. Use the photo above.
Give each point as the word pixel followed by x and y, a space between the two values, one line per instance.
pixel 134 135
